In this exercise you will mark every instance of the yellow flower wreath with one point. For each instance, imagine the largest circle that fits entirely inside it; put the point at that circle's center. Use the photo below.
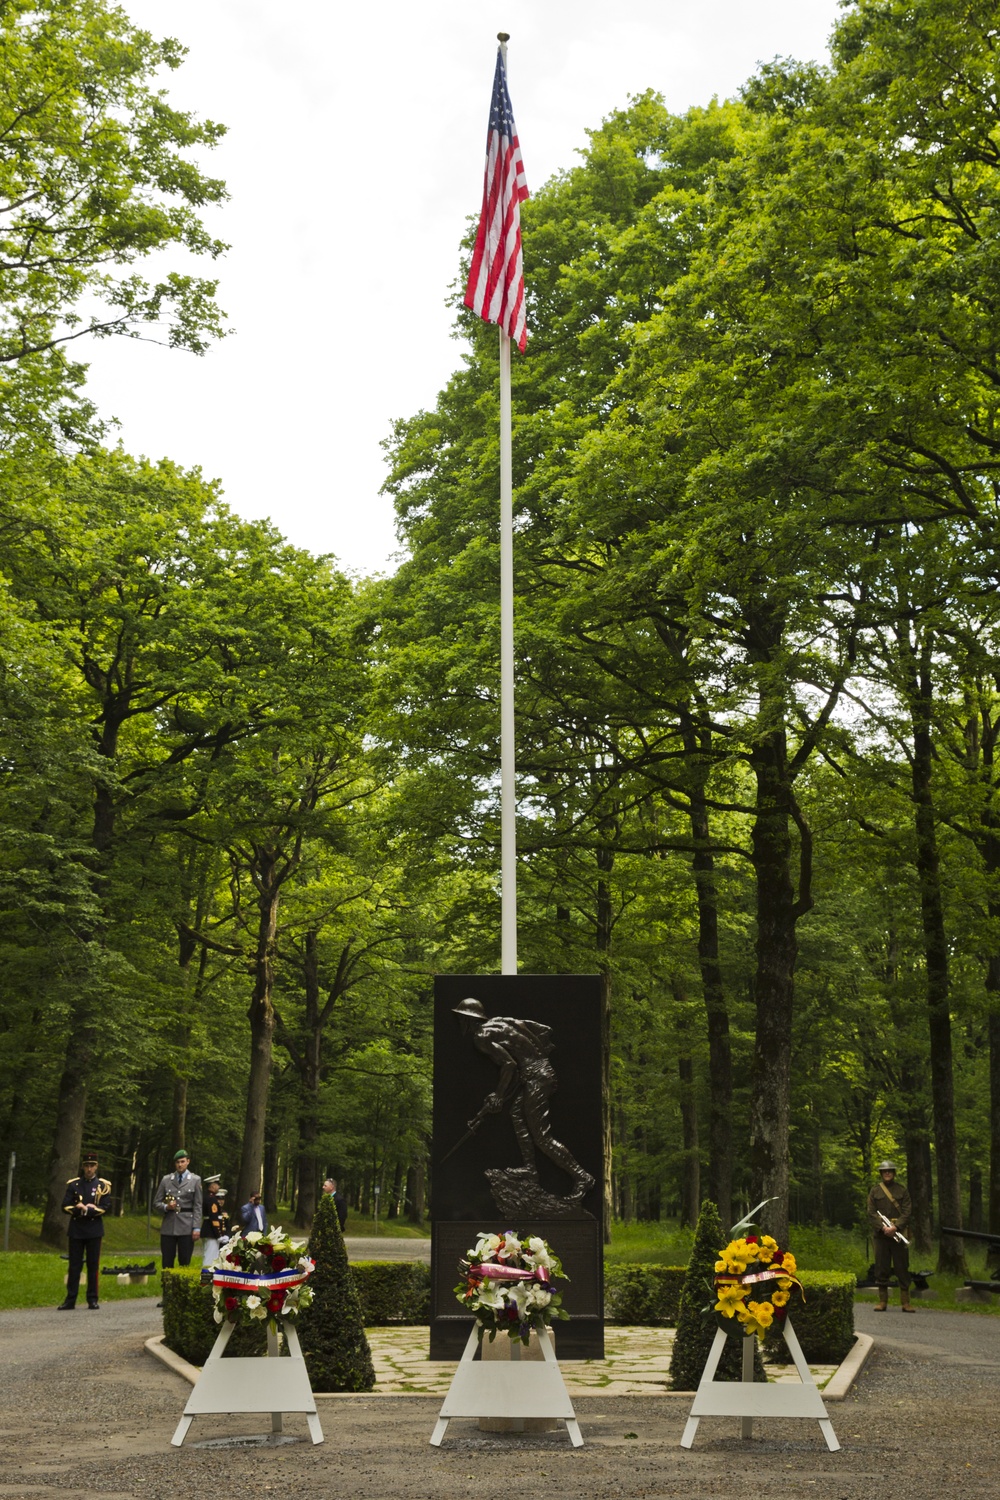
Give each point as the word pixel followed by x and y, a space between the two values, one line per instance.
pixel 741 1299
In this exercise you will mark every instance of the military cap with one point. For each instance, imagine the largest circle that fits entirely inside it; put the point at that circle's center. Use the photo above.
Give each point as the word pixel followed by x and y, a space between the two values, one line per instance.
pixel 89 1159
pixel 471 1008
pixel 180 1153
pixel 887 1166
pixel 214 1177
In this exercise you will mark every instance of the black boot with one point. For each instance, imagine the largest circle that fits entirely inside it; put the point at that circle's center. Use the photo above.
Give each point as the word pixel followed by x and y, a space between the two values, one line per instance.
pixel 66 1306
pixel 94 1306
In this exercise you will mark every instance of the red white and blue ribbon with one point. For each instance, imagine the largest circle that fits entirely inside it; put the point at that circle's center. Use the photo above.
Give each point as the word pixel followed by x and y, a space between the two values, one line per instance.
pixel 246 1281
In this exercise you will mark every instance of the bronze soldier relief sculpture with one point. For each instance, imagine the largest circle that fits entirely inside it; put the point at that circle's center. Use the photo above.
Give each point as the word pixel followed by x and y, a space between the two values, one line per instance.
pixel 527 1082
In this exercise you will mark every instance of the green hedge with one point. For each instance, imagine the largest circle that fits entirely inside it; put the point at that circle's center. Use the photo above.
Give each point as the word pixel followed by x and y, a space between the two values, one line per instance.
pixel 399 1292
pixel 389 1292
pixel 649 1296
pixel 824 1323
pixel 393 1291
pixel 188 1326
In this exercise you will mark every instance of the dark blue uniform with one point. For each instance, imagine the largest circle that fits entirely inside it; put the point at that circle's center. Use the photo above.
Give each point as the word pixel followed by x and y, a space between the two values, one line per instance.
pixel 84 1202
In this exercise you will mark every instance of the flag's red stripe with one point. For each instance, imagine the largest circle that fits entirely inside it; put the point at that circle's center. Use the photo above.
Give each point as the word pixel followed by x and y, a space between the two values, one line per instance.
pixel 495 288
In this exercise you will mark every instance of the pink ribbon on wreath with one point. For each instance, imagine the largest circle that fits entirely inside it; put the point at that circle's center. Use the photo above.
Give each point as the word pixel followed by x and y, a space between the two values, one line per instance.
pixel 490 1271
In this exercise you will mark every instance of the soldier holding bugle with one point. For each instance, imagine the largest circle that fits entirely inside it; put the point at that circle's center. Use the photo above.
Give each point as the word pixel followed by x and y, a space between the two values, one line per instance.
pixel 889 1212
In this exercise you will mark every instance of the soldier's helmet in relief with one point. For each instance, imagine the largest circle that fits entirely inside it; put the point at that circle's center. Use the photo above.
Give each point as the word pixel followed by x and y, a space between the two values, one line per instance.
pixel 471 1008
pixel 887 1166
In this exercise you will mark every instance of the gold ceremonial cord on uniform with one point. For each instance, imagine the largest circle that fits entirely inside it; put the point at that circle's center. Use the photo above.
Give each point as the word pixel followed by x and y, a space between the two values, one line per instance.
pixel 103 1189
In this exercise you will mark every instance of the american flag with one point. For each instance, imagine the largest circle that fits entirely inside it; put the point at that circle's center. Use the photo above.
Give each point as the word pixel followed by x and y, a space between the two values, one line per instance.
pixel 496 280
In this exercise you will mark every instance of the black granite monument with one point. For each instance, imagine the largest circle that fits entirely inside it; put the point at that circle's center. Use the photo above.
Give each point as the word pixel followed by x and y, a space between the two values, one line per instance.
pixel 517 1139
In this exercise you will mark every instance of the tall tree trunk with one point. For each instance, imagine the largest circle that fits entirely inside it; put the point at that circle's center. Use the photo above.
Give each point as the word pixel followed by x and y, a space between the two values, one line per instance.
pixel 261 1016
pixel 691 1162
pixel 81 1045
pixel 310 1067
pixel 990 840
pixel 416 1191
pixel 395 1192
pixel 71 1109
pixel 920 1182
pixel 774 985
pixel 605 865
pixel 720 1062
pixel 951 1256
pixel 271 1160
pixel 994 1034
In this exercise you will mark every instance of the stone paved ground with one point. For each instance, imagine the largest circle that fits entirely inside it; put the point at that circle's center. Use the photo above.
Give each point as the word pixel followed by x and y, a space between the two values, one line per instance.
pixel 85 1412
pixel 636 1363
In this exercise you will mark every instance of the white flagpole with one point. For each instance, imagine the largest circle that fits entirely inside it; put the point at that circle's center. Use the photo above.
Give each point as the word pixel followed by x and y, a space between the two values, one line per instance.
pixel 508 826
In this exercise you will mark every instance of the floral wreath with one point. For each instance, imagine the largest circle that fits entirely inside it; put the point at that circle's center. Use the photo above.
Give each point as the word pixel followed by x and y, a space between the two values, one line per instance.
pixel 507 1283
pixel 258 1276
pixel 753 1283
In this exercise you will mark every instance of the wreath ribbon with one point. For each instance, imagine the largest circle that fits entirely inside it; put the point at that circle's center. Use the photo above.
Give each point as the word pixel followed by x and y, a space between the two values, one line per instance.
pixel 490 1271
pixel 750 1277
pixel 246 1281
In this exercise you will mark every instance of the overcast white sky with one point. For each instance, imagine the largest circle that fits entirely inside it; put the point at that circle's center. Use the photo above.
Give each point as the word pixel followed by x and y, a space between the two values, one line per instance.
pixel 354 155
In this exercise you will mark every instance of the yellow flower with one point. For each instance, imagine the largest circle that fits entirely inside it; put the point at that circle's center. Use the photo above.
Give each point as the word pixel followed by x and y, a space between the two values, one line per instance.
pixel 779 1298
pixel 729 1298
pixel 769 1243
pixel 720 1265
pixel 788 1263
pixel 784 1283
pixel 762 1313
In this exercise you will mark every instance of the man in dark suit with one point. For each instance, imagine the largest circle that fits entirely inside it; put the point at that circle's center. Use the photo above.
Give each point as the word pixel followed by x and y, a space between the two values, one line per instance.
pixel 253 1216
pixel 339 1201
pixel 86 1201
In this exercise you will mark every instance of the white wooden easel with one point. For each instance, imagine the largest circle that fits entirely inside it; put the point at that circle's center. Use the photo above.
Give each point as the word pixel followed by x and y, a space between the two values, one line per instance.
pixel 518 1389
pixel 251 1385
pixel 748 1398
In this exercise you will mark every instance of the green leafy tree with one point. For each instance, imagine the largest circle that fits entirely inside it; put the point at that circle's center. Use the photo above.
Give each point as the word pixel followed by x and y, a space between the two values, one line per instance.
pixel 96 173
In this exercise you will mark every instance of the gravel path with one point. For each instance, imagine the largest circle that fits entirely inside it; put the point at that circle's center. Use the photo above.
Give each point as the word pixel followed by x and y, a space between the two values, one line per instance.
pixel 84 1412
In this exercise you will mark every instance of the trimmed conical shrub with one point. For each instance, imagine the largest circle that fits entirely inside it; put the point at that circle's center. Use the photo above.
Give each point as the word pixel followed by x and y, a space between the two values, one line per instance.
pixel 331 1332
pixel 695 1332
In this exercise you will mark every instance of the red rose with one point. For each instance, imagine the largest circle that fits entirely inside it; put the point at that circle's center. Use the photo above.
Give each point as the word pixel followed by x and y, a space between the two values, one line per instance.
pixel 276 1301
pixel 232 1303
pixel 777 1258
pixel 751 1239
pixel 278 1263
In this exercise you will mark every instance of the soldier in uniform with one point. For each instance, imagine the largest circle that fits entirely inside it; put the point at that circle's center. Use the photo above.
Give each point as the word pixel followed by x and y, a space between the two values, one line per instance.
pixel 527 1080
pixel 178 1199
pixel 889 1200
pixel 215 1224
pixel 85 1201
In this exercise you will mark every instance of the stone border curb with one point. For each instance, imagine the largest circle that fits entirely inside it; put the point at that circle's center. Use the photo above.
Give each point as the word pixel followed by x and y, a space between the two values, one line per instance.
pixel 158 1349
pixel 837 1387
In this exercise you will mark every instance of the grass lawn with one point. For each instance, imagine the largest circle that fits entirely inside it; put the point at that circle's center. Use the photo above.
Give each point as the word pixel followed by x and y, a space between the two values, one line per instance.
pixel 125 1235
pixel 31 1280
pixel 392 1229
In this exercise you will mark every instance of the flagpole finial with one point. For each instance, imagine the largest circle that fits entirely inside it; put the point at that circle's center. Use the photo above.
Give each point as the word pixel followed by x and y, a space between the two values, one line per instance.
pixel 503 36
